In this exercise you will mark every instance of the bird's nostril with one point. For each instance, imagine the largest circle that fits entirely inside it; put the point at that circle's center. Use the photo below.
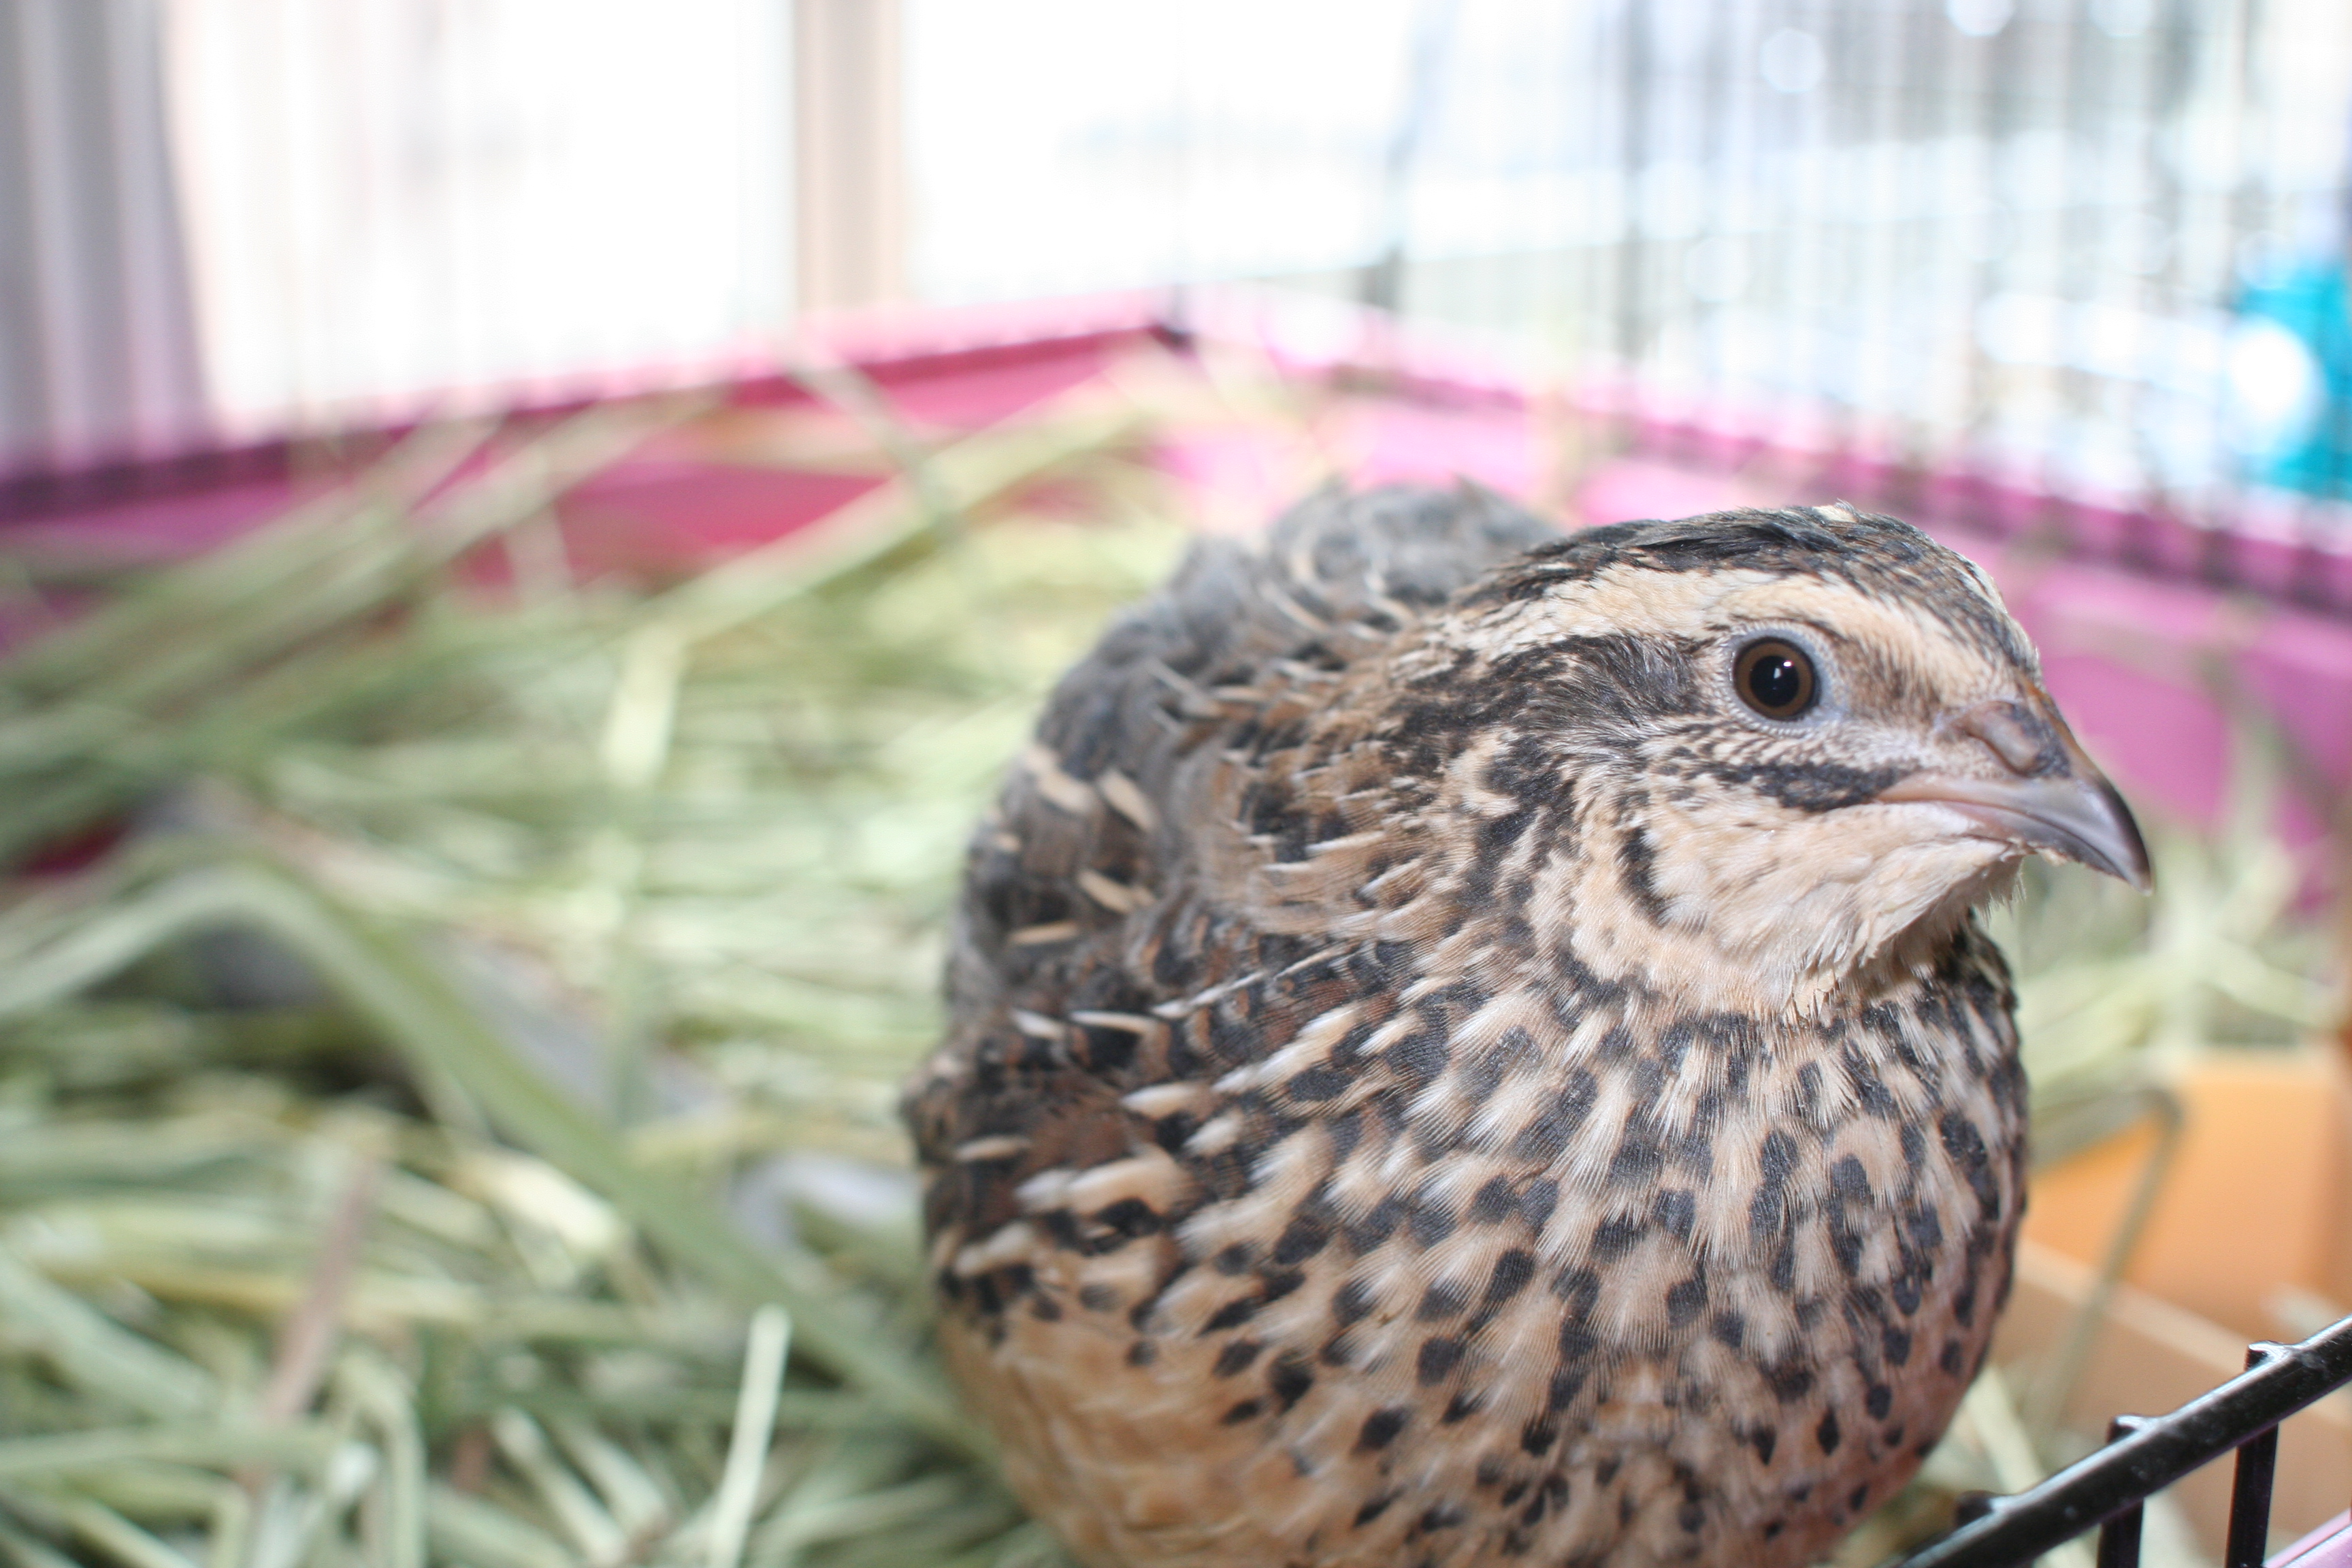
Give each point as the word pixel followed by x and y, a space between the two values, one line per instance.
pixel 2015 735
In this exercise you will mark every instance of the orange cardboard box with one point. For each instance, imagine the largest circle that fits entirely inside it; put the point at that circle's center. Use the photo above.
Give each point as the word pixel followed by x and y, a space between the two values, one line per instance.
pixel 2257 1203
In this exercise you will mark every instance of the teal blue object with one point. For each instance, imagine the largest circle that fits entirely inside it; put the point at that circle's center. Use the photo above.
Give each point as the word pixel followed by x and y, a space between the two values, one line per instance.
pixel 2313 302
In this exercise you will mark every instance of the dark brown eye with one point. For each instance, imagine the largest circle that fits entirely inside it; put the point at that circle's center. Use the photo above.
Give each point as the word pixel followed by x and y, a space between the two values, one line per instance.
pixel 1775 677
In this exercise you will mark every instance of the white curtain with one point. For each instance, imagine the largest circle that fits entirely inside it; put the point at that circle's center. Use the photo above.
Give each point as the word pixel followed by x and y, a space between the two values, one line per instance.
pixel 394 202
pixel 98 346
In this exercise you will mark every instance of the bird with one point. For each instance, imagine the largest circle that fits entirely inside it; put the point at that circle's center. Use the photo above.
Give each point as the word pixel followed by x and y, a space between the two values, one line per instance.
pixel 1471 1044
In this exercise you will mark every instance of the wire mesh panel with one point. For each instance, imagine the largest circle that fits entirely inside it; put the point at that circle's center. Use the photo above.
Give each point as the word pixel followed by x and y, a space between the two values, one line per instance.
pixel 2015 232
pixel 2079 242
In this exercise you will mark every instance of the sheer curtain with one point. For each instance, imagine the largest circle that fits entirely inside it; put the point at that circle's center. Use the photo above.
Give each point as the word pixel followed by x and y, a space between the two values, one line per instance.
pixel 399 202
pixel 98 340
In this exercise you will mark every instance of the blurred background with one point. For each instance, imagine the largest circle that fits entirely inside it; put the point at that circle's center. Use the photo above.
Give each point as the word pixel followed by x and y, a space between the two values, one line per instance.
pixel 528 529
pixel 2100 244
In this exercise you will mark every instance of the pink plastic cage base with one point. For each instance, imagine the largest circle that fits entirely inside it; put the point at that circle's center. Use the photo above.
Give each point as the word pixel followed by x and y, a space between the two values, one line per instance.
pixel 2329 1546
pixel 2152 631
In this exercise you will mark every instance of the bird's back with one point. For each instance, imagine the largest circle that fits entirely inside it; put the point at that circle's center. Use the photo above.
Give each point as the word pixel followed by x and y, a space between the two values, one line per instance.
pixel 1096 801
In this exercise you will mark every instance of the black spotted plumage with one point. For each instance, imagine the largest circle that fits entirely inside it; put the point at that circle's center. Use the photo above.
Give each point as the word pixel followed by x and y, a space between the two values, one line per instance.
pixel 1433 1079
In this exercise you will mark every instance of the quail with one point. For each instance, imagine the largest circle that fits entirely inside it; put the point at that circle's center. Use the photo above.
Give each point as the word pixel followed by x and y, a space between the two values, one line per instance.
pixel 1473 1046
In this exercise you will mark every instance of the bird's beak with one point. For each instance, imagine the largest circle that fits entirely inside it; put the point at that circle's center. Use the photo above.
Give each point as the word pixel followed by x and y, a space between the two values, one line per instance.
pixel 2050 796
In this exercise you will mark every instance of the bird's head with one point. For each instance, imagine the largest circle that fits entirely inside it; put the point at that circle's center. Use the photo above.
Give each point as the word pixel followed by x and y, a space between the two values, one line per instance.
pixel 1783 750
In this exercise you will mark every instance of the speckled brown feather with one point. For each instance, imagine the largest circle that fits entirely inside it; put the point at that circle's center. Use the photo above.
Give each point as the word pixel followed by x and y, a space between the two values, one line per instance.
pixel 1380 1124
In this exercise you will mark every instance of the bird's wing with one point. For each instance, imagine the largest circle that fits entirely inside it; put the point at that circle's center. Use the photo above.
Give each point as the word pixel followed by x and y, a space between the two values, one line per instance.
pixel 1091 824
pixel 1076 917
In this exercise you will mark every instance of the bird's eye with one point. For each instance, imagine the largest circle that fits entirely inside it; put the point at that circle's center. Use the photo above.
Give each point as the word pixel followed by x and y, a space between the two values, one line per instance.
pixel 1775 677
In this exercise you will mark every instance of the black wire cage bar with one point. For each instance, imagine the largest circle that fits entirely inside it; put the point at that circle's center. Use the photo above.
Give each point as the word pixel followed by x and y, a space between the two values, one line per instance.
pixel 2107 1490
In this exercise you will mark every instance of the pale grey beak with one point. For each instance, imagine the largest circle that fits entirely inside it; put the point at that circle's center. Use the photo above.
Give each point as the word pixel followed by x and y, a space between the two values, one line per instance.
pixel 2050 796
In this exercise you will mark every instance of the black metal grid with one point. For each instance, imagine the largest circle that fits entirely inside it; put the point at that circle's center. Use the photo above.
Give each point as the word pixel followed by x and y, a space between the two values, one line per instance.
pixel 2144 1455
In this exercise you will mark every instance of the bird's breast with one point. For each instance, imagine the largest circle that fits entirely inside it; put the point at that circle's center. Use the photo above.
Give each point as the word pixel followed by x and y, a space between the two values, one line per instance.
pixel 1478 1270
